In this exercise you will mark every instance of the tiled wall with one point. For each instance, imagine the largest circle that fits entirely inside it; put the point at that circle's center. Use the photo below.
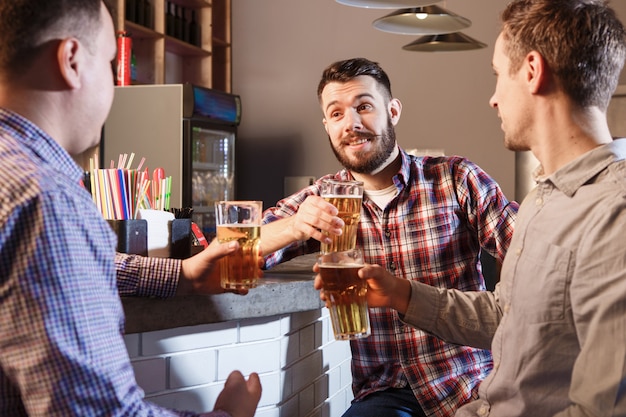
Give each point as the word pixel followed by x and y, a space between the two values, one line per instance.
pixel 303 370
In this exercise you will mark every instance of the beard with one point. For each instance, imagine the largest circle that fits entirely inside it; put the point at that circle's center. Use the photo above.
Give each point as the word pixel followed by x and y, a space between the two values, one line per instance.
pixel 367 161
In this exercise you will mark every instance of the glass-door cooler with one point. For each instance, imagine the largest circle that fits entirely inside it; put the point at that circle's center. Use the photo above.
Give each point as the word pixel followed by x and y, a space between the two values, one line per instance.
pixel 211 171
pixel 187 130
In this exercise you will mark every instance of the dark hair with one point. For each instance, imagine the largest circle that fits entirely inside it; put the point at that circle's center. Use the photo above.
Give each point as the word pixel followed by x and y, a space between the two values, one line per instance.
pixel 582 41
pixel 25 25
pixel 344 71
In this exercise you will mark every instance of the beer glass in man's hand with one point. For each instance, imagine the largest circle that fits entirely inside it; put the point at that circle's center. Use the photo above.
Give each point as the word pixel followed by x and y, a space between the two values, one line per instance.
pixel 345 293
pixel 241 221
pixel 347 196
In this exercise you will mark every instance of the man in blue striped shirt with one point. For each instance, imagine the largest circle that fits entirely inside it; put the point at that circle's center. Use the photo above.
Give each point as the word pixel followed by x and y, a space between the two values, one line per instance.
pixel 61 320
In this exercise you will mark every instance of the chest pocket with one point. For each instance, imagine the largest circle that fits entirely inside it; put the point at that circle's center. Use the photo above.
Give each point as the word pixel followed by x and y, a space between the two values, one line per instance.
pixel 541 281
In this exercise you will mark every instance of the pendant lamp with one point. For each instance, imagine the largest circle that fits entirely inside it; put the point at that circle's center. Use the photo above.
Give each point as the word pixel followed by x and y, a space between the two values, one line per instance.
pixel 387 4
pixel 427 20
pixel 456 41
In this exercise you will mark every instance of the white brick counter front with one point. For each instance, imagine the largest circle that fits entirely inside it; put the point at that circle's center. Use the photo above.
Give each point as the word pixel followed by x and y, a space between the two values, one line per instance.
pixel 183 349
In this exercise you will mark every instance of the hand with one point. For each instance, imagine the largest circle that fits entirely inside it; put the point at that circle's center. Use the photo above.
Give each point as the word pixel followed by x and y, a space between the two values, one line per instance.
pixel 314 217
pixel 383 288
pixel 318 284
pixel 201 274
pixel 239 397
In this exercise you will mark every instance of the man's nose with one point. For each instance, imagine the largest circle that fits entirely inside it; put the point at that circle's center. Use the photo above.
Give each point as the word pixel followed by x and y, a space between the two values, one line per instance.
pixel 352 120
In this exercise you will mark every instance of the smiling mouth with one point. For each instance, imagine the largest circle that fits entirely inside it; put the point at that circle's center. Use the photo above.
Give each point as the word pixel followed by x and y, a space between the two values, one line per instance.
pixel 358 140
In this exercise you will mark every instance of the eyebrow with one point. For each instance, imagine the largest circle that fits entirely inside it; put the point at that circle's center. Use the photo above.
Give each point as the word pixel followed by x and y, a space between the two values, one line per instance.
pixel 359 97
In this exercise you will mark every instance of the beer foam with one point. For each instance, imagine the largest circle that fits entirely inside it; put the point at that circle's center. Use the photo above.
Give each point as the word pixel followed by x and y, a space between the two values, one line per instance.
pixel 341 265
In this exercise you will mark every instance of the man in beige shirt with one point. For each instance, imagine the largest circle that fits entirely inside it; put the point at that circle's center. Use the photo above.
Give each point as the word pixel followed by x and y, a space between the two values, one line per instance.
pixel 556 322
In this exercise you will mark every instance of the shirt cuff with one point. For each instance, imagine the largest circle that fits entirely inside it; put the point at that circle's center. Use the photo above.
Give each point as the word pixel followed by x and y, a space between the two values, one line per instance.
pixel 219 413
pixel 423 308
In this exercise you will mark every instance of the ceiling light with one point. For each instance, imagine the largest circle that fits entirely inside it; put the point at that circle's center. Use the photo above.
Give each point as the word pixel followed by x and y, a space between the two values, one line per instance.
pixel 407 22
pixel 442 43
pixel 387 4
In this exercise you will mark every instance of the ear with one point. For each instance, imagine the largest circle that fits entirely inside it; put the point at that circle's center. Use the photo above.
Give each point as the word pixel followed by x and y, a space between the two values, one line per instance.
pixel 325 123
pixel 536 72
pixel 395 110
pixel 69 54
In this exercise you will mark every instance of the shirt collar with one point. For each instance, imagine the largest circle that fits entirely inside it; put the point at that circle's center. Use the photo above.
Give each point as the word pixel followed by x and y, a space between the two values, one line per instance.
pixel 404 174
pixel 578 172
pixel 39 143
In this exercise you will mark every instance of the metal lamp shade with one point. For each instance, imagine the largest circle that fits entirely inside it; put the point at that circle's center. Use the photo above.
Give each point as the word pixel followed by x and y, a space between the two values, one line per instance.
pixel 427 20
pixel 387 4
pixel 445 42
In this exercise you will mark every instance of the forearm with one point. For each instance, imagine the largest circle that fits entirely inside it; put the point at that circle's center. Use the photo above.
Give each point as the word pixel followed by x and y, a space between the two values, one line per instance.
pixel 464 318
pixel 276 235
pixel 146 277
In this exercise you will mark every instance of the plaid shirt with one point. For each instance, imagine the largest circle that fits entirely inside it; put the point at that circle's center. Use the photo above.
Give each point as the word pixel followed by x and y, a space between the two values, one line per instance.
pixel 445 211
pixel 143 276
pixel 61 320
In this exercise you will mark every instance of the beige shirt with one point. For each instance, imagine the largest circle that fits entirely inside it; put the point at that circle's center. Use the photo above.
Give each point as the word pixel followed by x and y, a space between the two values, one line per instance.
pixel 556 322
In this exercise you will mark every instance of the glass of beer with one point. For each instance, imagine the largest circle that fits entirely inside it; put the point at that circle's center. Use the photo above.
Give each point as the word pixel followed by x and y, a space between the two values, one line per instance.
pixel 241 221
pixel 347 196
pixel 345 293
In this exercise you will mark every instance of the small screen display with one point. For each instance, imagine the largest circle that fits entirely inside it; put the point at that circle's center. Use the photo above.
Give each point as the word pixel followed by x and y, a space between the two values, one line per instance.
pixel 216 105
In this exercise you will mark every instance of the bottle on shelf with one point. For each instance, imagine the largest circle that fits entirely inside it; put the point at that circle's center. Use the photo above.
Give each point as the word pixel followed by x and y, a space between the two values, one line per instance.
pixel 178 23
pixel 139 12
pixel 169 20
pixel 186 22
pixel 148 16
pixel 131 10
pixel 133 67
pixel 124 50
pixel 194 30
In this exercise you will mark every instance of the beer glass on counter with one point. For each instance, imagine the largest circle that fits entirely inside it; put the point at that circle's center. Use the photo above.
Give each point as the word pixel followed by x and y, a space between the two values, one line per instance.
pixel 347 196
pixel 241 221
pixel 345 293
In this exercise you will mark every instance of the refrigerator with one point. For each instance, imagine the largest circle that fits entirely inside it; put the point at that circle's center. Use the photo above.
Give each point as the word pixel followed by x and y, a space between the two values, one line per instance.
pixel 188 131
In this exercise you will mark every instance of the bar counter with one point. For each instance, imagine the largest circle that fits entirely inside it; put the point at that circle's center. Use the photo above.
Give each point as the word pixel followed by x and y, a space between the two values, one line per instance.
pixel 287 288
pixel 183 348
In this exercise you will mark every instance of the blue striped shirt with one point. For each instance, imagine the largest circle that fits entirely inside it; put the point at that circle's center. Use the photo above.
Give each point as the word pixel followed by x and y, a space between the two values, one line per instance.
pixel 445 211
pixel 61 320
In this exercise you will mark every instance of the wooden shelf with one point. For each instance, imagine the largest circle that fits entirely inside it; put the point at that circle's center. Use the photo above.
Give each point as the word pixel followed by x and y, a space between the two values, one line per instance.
pixel 183 48
pixel 192 3
pixel 162 57
pixel 141 32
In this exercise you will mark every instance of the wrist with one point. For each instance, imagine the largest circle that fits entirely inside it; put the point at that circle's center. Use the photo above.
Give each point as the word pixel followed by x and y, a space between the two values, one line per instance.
pixel 402 295
pixel 291 231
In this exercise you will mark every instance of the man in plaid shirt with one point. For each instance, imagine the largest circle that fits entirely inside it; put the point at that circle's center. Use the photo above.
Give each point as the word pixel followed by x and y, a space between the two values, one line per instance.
pixel 423 218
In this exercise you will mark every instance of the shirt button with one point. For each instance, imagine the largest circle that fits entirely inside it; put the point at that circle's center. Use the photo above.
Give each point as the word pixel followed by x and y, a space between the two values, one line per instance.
pixel 539 201
pixel 483 410
pixel 518 251
pixel 507 308
pixel 387 233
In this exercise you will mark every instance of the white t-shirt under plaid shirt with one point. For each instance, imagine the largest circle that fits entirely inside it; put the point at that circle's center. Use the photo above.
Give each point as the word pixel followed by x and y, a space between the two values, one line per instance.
pixel 445 211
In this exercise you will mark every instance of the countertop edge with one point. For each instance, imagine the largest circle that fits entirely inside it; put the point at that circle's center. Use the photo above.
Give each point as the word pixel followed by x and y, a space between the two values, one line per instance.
pixel 276 294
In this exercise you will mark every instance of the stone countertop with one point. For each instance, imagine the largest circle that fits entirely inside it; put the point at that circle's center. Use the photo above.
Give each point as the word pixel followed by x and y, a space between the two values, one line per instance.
pixel 287 288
